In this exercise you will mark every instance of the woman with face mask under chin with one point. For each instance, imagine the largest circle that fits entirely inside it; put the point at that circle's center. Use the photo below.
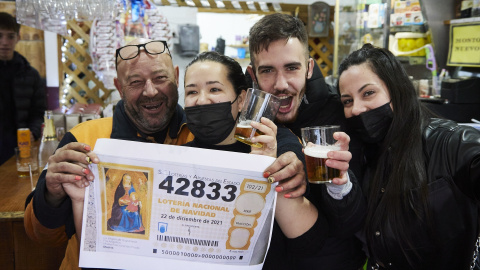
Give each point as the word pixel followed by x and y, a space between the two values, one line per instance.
pixel 214 95
pixel 422 179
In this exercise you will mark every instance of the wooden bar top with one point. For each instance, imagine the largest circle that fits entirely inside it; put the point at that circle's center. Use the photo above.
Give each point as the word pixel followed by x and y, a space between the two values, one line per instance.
pixel 13 190
pixel 17 250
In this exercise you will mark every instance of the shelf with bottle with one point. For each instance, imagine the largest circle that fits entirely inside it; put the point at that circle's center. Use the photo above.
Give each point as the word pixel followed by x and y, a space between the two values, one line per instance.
pixel 412 60
pixel 408 28
pixel 243 54
pixel 463 20
pixel 376 30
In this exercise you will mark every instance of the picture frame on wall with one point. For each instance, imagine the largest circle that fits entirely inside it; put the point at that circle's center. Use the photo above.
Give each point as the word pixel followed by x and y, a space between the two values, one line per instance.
pixel 318 19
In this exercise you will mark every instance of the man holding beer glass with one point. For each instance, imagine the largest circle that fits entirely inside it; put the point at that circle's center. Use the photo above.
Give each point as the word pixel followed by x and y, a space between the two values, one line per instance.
pixel 280 65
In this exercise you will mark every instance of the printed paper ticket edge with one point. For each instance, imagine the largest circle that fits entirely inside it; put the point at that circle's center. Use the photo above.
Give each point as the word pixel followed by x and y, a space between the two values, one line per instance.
pixel 257 215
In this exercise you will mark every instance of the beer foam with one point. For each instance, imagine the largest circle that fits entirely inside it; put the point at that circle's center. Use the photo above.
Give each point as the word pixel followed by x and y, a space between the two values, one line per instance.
pixel 244 124
pixel 320 151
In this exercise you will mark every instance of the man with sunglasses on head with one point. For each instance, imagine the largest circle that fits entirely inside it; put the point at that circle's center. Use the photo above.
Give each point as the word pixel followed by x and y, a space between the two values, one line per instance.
pixel 147 82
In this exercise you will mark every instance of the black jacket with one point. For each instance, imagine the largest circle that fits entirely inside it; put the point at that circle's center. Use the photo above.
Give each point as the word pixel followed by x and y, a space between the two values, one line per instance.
pixel 453 167
pixel 23 102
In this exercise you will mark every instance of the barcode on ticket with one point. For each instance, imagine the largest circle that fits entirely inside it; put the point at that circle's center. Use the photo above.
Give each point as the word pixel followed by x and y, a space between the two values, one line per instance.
pixel 184 240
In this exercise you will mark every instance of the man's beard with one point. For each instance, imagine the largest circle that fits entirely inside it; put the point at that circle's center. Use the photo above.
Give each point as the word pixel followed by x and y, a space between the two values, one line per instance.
pixel 143 123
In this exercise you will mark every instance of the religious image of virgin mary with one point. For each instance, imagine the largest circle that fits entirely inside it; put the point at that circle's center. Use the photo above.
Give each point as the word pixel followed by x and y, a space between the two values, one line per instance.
pixel 125 218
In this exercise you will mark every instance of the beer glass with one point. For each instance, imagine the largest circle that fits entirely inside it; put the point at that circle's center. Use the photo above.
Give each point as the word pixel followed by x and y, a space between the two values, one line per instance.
pixel 257 104
pixel 27 161
pixel 317 142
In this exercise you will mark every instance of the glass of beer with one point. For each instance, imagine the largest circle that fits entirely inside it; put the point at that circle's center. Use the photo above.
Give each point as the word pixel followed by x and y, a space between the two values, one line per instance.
pixel 27 161
pixel 257 104
pixel 317 142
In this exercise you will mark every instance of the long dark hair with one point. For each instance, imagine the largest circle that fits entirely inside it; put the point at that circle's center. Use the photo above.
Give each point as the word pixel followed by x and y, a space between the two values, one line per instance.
pixel 234 70
pixel 401 164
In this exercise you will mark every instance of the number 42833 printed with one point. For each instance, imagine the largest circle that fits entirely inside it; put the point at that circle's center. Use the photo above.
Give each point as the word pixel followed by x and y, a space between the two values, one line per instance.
pixel 199 189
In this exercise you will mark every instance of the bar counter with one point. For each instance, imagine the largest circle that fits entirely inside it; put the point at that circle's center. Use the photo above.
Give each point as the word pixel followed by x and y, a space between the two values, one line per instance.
pixel 17 251
pixel 13 191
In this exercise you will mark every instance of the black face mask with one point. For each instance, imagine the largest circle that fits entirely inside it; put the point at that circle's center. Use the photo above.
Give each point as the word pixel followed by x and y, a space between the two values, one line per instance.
pixel 211 123
pixel 373 125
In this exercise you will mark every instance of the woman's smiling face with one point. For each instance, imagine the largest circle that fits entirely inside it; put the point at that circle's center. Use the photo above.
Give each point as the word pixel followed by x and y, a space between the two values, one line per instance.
pixel 361 90
pixel 206 82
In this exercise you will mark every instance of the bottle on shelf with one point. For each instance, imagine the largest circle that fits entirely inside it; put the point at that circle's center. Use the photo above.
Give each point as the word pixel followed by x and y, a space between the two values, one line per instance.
pixel 49 140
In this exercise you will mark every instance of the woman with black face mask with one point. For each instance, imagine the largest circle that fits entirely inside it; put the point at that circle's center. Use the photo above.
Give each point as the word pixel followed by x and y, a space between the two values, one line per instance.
pixel 423 173
pixel 214 96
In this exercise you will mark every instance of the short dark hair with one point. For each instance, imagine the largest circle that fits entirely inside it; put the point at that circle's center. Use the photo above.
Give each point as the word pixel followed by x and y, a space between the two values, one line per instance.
pixel 235 72
pixel 8 22
pixel 273 27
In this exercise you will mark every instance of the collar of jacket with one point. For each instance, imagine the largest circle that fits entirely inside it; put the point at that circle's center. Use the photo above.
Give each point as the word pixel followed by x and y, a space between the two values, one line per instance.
pixel 18 63
pixel 123 127
pixel 435 123
pixel 317 91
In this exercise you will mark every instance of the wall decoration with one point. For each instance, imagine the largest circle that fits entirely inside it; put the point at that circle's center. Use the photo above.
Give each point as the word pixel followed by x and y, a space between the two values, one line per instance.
pixel 318 19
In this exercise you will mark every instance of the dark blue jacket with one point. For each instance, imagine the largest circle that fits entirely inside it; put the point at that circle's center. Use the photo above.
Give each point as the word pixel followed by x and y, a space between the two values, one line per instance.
pixel 23 102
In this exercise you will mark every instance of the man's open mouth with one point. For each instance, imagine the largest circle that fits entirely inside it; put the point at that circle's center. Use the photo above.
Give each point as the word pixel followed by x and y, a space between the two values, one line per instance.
pixel 152 107
pixel 285 104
